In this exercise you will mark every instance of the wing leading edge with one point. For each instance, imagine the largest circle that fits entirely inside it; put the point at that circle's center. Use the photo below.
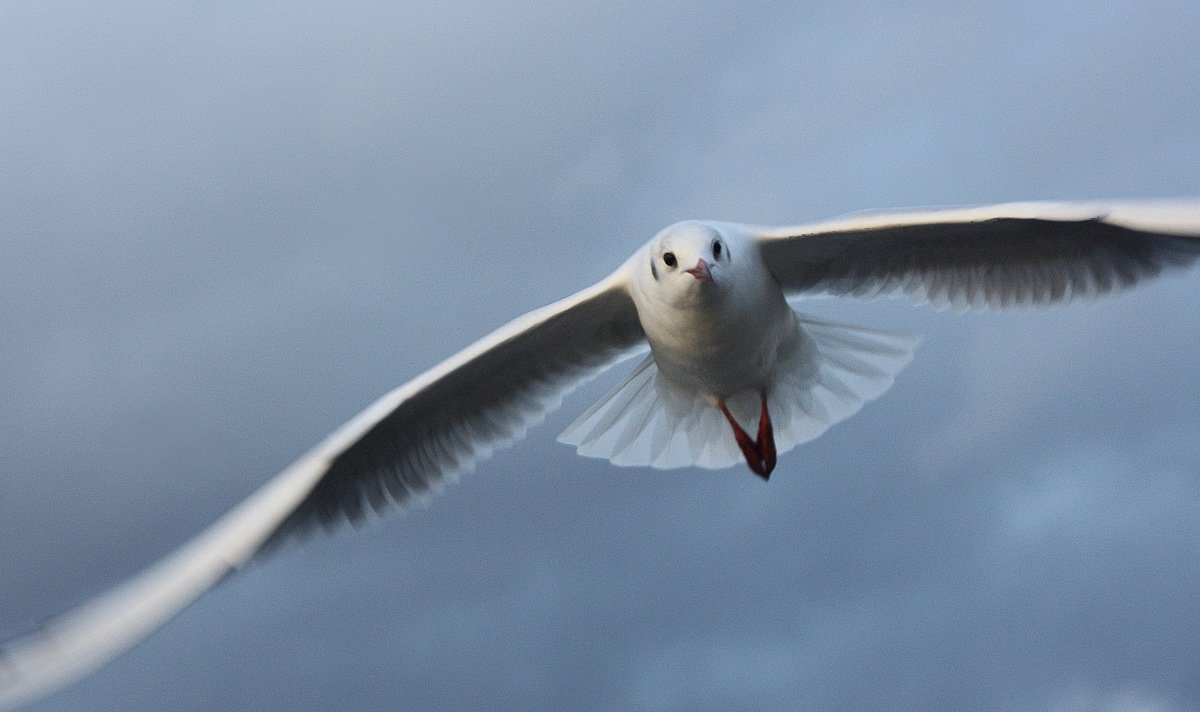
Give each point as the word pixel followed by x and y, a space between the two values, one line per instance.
pixel 404 445
pixel 1016 254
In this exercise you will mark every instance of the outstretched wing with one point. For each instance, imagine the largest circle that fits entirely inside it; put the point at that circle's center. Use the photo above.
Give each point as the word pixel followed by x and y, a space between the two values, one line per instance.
pixel 402 446
pixel 1016 254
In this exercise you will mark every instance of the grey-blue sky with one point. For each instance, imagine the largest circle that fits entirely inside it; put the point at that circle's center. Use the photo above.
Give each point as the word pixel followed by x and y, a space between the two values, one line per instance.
pixel 227 228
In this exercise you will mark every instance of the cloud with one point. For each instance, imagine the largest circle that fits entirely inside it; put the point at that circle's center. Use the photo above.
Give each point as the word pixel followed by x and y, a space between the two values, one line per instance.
pixel 227 228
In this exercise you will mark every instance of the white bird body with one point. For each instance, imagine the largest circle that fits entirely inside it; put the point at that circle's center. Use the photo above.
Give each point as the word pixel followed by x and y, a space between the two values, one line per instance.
pixel 728 351
pixel 721 336
pixel 710 300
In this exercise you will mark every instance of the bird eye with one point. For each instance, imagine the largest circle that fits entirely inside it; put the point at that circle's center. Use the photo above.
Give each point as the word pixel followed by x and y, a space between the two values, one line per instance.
pixel 669 259
pixel 716 249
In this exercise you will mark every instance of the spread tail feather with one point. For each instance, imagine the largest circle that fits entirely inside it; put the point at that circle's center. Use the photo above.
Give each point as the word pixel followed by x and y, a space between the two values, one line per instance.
pixel 822 378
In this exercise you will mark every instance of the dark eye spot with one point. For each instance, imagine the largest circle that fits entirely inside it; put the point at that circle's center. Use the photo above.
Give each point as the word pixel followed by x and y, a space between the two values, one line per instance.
pixel 717 249
pixel 669 259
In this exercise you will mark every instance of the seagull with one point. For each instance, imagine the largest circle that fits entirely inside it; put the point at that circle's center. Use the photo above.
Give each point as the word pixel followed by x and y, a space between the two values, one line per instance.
pixel 730 374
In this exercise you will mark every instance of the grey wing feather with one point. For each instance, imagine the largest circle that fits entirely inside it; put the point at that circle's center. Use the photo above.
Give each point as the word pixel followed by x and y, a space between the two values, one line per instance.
pixel 476 406
pixel 1016 254
pixel 403 445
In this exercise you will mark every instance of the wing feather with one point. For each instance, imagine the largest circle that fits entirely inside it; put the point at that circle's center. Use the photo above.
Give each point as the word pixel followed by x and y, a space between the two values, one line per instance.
pixel 401 447
pixel 1016 254
pixel 437 426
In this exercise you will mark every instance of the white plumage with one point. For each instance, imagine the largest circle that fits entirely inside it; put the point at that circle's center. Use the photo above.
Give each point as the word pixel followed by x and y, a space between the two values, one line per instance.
pixel 710 300
pixel 647 420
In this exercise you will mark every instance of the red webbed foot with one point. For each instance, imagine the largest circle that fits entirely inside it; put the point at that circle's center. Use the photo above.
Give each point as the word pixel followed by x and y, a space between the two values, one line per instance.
pixel 759 452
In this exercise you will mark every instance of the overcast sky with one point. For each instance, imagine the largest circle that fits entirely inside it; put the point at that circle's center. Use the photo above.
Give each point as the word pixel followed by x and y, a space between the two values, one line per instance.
pixel 228 227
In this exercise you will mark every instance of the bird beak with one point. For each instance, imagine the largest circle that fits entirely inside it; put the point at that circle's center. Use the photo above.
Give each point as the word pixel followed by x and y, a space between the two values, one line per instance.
pixel 700 271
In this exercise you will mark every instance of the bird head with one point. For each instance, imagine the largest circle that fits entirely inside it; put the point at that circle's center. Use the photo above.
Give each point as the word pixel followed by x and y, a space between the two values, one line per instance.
pixel 688 263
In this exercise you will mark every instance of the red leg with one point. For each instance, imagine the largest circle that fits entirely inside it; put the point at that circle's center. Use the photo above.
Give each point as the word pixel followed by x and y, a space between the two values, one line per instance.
pixel 749 447
pixel 759 453
pixel 766 439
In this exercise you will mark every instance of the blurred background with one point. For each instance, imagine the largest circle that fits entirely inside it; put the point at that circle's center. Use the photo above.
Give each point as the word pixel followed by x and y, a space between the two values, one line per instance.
pixel 227 227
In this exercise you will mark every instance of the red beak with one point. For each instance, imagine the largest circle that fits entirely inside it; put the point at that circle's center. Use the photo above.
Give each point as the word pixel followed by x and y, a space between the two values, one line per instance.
pixel 700 271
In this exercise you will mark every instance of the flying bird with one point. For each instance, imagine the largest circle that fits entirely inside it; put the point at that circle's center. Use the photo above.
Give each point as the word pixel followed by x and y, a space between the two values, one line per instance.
pixel 730 374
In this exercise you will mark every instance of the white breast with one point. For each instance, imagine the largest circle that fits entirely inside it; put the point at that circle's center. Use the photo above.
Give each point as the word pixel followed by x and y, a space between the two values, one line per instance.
pixel 728 338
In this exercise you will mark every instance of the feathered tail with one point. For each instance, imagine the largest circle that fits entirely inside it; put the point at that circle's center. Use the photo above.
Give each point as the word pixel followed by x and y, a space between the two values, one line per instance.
pixel 824 377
